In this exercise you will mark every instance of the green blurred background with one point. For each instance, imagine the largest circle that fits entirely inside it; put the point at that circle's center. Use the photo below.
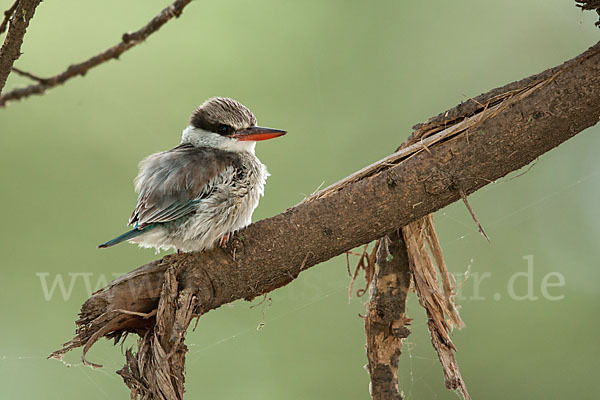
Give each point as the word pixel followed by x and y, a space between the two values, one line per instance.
pixel 347 79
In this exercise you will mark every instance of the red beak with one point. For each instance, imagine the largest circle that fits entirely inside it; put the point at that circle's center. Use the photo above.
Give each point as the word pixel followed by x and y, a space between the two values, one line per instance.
pixel 257 133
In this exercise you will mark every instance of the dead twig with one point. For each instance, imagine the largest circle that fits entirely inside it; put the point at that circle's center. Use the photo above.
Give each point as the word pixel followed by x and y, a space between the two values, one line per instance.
pixel 366 263
pixel 128 40
pixel 29 75
pixel 139 314
pixel 463 196
pixel 156 371
pixel 529 168
pixel 386 323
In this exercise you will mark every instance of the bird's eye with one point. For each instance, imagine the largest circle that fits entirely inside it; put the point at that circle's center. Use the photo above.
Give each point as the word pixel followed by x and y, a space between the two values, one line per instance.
pixel 223 129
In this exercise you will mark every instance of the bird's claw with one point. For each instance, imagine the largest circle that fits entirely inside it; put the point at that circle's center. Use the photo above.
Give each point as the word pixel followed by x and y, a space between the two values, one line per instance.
pixel 224 240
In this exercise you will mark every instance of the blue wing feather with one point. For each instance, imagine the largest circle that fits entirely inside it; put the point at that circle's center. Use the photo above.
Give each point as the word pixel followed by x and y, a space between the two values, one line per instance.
pixel 172 183
pixel 126 236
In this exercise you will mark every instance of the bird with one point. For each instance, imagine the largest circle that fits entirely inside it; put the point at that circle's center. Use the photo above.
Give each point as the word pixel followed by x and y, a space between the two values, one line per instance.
pixel 194 196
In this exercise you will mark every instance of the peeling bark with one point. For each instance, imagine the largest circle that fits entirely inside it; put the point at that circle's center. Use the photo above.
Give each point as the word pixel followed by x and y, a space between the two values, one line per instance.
pixel 156 371
pixel 442 314
pixel 386 321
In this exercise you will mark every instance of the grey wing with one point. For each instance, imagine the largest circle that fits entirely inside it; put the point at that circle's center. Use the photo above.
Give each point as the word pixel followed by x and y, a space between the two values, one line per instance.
pixel 172 183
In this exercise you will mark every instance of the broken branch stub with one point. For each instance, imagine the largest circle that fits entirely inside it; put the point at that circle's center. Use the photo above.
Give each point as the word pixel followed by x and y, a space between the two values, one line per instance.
pixel 386 323
pixel 156 370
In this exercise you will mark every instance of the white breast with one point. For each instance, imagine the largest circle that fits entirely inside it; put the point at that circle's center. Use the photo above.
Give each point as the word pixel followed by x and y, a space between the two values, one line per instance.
pixel 228 208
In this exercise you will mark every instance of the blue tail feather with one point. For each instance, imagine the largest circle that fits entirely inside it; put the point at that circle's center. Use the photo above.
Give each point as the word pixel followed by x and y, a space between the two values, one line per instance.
pixel 126 236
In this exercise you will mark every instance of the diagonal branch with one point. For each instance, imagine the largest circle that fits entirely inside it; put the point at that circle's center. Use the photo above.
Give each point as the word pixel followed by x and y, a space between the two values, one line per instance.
pixel 464 149
pixel 22 12
pixel 128 40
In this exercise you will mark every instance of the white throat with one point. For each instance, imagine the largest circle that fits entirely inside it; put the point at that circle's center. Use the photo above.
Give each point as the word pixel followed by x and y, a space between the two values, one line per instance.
pixel 200 138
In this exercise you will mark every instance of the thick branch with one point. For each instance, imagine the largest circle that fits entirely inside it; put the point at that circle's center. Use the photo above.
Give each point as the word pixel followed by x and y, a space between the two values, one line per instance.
pixel 11 49
pixel 505 133
pixel 128 41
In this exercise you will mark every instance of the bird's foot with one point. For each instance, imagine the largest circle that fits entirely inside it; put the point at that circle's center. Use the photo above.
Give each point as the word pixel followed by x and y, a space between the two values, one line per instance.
pixel 224 240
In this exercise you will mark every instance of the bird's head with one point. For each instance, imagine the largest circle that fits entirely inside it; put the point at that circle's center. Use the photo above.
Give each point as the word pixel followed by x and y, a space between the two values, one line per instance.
pixel 226 124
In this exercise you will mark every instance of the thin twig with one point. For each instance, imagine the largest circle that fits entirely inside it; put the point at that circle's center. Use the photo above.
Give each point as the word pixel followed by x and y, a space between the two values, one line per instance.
pixel 463 196
pixel 29 75
pixel 139 314
pixel 128 41
pixel 7 14
pixel 533 164
pixel 366 262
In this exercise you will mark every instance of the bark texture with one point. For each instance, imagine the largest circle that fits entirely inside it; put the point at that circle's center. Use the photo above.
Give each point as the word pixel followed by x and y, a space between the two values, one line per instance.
pixel 462 150
pixel 386 321
pixel 21 12
pixel 156 371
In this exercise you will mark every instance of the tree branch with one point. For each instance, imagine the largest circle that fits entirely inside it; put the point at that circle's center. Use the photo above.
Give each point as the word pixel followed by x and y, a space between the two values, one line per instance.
pixel 128 41
pixel 7 14
pixel 590 5
pixel 386 321
pixel 11 49
pixel 463 149
pixel 29 75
